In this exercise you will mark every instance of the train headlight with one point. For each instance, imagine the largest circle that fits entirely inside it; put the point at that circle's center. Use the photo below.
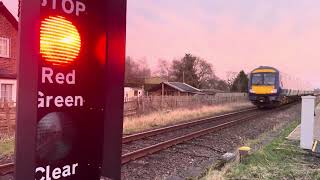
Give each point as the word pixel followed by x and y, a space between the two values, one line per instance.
pixel 274 91
pixel 251 91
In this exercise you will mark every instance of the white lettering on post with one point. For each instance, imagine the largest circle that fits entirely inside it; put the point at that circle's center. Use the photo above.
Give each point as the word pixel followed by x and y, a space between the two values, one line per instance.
pixel 44 3
pixel 56 173
pixel 74 166
pixel 69 101
pixel 80 7
pixel 71 77
pixel 42 170
pixel 66 4
pixel 59 101
pixel 40 99
pixel 47 174
pixel 59 78
pixel 78 101
pixel 49 76
pixel 66 171
pixel 54 4
pixel 46 74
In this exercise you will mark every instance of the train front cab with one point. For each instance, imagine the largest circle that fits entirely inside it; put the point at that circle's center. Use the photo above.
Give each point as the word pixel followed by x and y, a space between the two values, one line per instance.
pixel 264 88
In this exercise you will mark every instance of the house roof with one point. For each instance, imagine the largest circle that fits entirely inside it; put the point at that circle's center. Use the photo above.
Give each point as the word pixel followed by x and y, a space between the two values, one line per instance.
pixel 8 76
pixel 133 88
pixel 153 80
pixel 212 91
pixel 8 15
pixel 183 87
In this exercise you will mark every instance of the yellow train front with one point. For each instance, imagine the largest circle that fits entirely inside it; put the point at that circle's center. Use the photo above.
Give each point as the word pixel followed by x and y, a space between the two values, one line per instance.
pixel 268 87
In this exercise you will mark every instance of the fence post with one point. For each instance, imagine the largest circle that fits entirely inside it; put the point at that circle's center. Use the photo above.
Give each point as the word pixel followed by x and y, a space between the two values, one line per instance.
pixel 143 99
pixel 7 115
pixel 176 101
pixel 162 94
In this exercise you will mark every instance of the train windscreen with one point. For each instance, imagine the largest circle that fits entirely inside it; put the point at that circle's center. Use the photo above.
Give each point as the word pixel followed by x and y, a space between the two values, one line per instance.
pixel 269 79
pixel 263 79
pixel 257 79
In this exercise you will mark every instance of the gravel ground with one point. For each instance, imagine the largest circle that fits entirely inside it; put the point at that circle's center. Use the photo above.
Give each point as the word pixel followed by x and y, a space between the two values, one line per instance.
pixel 191 159
pixel 6 159
pixel 135 145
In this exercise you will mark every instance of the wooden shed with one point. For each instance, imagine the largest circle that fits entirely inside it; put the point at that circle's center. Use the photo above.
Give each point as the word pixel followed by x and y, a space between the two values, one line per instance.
pixel 174 89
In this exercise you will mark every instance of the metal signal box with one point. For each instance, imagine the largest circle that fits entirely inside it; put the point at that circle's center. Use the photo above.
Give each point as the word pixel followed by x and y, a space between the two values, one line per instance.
pixel 70 89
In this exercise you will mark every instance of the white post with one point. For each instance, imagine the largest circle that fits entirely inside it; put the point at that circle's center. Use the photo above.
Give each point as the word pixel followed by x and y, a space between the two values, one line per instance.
pixel 307 122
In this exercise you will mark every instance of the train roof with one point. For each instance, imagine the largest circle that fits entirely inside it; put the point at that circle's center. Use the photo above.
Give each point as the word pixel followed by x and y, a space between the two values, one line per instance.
pixel 264 69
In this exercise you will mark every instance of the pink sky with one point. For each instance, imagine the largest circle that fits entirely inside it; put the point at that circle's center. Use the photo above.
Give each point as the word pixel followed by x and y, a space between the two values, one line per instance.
pixel 232 35
pixel 12 5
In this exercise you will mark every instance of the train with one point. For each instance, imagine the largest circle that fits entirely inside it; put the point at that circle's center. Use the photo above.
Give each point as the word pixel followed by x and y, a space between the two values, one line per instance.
pixel 268 87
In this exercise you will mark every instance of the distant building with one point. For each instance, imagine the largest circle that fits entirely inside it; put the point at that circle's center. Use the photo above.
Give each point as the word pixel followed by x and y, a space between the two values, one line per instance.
pixel 152 82
pixel 174 89
pixel 211 91
pixel 132 93
pixel 8 54
pixel 146 83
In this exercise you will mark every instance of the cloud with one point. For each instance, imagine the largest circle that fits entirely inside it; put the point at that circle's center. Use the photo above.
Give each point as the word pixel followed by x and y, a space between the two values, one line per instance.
pixel 236 36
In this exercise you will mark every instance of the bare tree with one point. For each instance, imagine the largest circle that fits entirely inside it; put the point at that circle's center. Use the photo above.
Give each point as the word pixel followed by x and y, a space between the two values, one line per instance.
pixel 231 76
pixel 194 71
pixel 163 69
pixel 136 70
pixel 184 70
pixel 205 74
pixel 222 85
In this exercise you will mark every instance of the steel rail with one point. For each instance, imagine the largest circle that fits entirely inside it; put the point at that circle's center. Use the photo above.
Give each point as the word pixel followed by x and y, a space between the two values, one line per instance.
pixel 138 136
pixel 164 145
pixel 6 169
pixel 9 168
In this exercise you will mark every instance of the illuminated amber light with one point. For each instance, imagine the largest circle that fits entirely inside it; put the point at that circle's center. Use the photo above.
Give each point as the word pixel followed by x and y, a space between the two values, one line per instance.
pixel 60 41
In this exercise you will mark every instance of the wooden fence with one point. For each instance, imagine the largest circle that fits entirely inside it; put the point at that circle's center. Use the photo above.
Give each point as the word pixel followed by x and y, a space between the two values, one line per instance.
pixel 137 106
pixel 7 117
pixel 155 103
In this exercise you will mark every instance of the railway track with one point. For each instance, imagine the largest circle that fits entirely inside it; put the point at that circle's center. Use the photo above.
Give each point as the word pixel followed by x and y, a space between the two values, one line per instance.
pixel 211 125
pixel 166 140
pixel 6 169
pixel 201 127
pixel 138 136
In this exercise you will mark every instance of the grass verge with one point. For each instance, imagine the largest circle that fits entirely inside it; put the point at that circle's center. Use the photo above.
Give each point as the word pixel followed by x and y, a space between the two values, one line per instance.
pixel 6 145
pixel 280 159
pixel 161 118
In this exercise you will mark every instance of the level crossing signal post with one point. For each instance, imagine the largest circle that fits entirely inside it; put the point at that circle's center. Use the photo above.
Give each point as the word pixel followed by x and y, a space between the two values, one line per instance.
pixel 70 89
